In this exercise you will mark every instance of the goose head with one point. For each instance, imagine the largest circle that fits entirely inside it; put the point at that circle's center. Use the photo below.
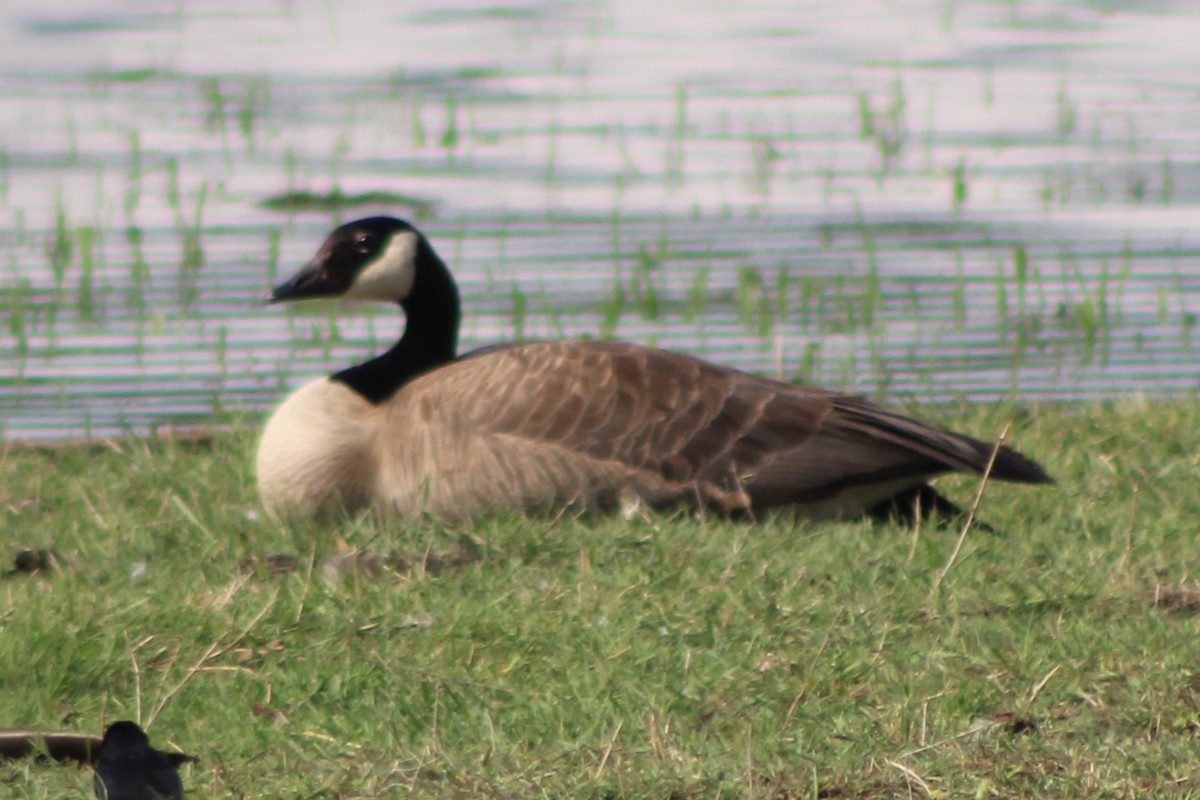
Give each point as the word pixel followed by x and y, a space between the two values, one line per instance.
pixel 377 258
pixel 385 259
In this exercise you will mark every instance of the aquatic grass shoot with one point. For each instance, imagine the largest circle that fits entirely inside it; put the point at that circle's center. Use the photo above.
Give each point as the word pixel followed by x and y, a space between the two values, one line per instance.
pixel 16 295
pixel 810 366
pixel 139 270
pixel 86 295
pixel 274 237
pixel 254 107
pixel 958 291
pixel 1166 180
pixel 1187 325
pixel 958 180
pixel 220 350
pixel 696 304
pixel 61 241
pixel 214 103
pixel 1020 275
pixel 5 170
pixel 764 156
pixel 644 290
pixel 191 250
pixel 612 307
pixel 133 175
pixel 753 304
pixel 886 129
pixel 1066 120
pixel 675 155
pixel 550 170
pixel 416 128
pixel 333 334
pixel 518 312
pixel 551 313
pixel 449 140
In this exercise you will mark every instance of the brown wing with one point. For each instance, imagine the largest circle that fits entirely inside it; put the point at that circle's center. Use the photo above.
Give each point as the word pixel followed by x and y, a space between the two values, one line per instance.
pixel 588 423
pixel 950 450
pixel 864 454
pixel 676 423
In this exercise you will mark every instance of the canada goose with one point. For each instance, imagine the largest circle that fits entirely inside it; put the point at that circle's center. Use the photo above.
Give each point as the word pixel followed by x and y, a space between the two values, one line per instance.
pixel 546 426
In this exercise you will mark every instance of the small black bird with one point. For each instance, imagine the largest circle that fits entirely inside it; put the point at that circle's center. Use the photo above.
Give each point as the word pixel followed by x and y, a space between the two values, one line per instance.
pixel 130 769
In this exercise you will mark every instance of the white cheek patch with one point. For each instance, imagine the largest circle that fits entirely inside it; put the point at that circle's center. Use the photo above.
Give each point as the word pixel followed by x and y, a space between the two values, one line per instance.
pixel 390 276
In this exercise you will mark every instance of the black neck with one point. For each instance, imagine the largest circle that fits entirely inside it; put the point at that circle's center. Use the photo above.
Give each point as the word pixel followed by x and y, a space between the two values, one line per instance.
pixel 430 333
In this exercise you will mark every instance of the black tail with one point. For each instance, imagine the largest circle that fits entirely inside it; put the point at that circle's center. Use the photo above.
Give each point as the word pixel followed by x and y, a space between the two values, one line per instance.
pixel 1012 466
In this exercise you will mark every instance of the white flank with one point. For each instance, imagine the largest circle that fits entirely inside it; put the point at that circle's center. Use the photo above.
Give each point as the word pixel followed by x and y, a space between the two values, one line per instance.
pixel 390 276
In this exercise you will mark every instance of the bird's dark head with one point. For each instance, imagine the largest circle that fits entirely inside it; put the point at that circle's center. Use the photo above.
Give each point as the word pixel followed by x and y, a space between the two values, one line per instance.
pixel 124 734
pixel 369 259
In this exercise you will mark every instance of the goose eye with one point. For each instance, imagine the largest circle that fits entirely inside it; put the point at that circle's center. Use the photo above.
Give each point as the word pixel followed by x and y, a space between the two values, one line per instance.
pixel 364 243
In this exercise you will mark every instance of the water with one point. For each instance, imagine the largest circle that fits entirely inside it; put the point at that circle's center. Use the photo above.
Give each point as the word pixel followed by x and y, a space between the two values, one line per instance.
pixel 922 200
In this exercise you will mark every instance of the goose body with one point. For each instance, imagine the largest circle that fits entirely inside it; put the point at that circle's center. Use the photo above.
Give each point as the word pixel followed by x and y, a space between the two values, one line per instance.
pixel 587 425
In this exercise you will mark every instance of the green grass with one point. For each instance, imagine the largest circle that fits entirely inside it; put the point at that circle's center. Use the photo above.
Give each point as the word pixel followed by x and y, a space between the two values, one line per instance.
pixel 660 658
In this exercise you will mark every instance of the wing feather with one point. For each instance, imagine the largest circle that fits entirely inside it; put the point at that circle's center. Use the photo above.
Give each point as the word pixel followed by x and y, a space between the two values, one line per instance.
pixel 587 423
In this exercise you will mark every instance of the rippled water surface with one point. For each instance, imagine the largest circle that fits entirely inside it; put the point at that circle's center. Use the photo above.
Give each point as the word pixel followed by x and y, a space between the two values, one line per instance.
pixel 912 199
